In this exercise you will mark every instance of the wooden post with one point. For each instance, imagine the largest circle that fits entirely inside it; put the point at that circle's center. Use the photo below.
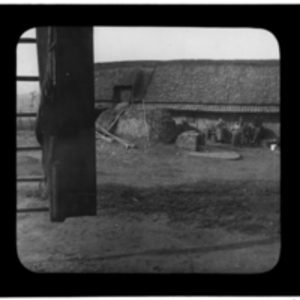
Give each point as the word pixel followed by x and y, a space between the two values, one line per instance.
pixel 66 119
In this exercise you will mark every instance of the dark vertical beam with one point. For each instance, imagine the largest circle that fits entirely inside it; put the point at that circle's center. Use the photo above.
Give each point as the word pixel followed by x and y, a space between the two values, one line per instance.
pixel 42 42
pixel 42 38
pixel 68 114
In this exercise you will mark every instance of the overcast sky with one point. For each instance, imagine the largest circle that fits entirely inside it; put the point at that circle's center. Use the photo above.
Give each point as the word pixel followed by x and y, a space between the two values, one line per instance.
pixel 118 44
pixel 152 43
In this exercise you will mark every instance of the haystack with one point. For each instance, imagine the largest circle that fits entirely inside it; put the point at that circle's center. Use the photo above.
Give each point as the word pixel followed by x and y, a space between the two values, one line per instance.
pixel 106 118
pixel 157 125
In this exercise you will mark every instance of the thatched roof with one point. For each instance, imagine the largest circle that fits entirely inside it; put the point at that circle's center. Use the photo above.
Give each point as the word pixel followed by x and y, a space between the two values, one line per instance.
pixel 232 86
pixel 108 75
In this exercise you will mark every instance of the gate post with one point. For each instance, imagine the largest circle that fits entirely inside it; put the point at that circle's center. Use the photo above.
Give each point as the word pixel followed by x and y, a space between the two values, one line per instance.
pixel 65 123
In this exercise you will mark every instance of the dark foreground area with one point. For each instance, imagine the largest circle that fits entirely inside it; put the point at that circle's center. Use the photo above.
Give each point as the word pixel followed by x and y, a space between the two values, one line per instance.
pixel 160 211
pixel 248 207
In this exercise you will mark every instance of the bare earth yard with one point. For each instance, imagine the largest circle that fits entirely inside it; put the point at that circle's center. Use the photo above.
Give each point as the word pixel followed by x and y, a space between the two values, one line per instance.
pixel 159 211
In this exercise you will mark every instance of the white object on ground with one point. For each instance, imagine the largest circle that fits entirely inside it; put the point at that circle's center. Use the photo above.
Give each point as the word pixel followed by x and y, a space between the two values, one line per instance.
pixel 221 155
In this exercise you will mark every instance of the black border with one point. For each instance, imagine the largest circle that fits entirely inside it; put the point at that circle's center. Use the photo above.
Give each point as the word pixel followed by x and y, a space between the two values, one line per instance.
pixel 283 22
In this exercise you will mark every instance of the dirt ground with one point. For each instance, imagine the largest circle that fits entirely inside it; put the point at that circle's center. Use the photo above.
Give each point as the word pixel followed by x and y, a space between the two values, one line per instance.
pixel 159 211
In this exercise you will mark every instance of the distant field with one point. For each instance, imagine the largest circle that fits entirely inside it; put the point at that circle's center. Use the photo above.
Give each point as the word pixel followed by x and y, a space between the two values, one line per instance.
pixel 26 103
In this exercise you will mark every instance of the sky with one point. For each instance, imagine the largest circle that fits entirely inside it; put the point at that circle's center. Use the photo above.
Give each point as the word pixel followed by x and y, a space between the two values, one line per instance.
pixel 140 43
pixel 153 43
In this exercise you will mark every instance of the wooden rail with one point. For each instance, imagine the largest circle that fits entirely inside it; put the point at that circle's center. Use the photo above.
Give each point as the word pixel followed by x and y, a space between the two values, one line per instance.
pixel 27 41
pixel 29 148
pixel 26 114
pixel 28 78
pixel 30 178
pixel 29 210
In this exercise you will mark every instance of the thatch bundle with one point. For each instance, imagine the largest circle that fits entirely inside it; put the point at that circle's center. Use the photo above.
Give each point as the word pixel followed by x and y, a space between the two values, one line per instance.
pixel 158 125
